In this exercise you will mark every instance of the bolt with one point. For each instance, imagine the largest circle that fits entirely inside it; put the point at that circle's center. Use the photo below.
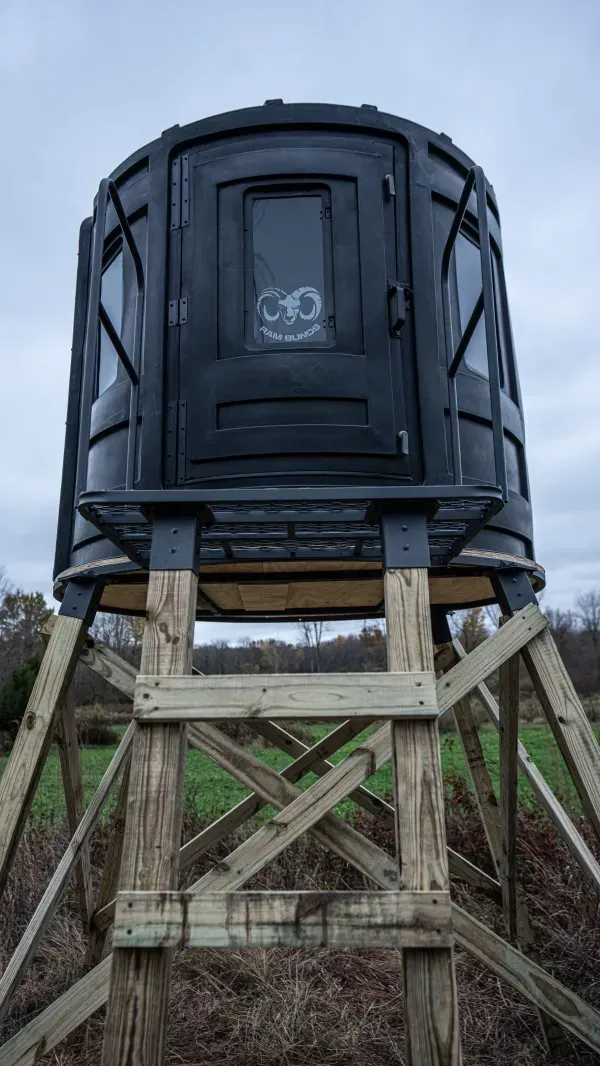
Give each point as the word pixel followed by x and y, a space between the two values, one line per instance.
pixel 406 547
pixel 174 531
pixel 404 529
pixel 172 551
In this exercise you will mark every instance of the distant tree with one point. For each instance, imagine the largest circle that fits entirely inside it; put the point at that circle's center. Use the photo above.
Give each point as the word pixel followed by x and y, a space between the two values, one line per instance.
pixel 121 632
pixel 311 636
pixel 22 618
pixel 15 693
pixel 469 627
pixel 588 613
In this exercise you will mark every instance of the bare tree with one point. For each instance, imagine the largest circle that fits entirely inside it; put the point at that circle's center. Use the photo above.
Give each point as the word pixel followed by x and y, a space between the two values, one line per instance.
pixel 588 613
pixel 120 632
pixel 311 636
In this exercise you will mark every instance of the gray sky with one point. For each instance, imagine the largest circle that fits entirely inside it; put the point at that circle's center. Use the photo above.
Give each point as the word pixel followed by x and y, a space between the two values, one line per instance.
pixel 516 85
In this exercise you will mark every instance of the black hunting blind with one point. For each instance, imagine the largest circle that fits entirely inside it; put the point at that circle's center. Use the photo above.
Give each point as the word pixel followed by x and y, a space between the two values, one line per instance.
pixel 294 395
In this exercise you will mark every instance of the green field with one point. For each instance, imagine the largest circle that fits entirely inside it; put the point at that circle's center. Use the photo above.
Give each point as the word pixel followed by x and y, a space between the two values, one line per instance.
pixel 210 791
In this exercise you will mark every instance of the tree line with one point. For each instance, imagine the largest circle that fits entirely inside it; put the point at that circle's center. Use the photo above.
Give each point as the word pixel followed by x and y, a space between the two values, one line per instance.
pixel 312 647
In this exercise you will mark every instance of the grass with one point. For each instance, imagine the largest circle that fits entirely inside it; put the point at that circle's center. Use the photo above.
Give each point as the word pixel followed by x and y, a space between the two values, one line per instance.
pixel 211 791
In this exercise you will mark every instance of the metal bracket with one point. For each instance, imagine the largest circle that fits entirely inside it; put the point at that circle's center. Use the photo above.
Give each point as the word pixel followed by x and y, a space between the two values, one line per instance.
pixel 439 625
pixel 404 540
pixel 175 543
pixel 81 599
pixel 513 589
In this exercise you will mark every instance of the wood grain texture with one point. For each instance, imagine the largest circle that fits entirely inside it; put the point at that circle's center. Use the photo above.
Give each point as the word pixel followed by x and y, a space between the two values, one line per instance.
pixel 568 721
pixel 487 657
pixel 431 1008
pixel 36 732
pixel 70 765
pixel 138 1004
pixel 459 866
pixel 277 789
pixel 108 665
pixel 480 777
pixel 53 1024
pixel 305 696
pixel 109 881
pixel 509 740
pixel 542 791
pixel 49 902
pixel 527 978
pixel 283 919
pixel 489 809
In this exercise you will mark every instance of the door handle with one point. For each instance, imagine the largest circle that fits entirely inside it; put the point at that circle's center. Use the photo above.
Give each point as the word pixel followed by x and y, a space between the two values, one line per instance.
pixel 397 306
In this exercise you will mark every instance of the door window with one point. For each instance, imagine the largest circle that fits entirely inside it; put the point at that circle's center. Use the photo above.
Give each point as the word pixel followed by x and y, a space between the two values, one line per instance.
pixel 289 302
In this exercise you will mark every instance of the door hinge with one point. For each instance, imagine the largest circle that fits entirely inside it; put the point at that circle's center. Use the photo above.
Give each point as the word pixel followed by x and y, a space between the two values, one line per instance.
pixel 398 302
pixel 178 312
pixel 180 192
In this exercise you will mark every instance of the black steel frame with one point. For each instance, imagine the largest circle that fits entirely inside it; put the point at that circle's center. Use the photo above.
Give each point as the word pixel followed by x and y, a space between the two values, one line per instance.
pixel 485 305
pixel 283 524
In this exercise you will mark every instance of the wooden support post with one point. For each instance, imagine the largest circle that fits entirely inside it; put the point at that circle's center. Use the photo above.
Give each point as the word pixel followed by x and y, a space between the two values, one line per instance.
pixel 49 902
pixel 109 880
pixel 542 791
pixel 70 764
pixel 509 740
pixel 568 721
pixel 431 1014
pixel 36 733
pixel 552 1033
pixel 139 989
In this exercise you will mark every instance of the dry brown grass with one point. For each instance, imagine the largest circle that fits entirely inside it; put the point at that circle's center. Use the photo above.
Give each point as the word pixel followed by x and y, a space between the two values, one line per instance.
pixel 320 1008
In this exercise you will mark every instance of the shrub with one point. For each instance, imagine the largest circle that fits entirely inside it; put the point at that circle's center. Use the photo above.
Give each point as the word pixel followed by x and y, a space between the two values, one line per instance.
pixel 96 734
pixel 15 693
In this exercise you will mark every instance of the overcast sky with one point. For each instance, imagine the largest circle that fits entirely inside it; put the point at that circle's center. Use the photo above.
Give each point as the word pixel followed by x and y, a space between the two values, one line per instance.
pixel 516 85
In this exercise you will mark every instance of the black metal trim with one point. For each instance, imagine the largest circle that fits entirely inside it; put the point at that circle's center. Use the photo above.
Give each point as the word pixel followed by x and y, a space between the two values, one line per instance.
pixel 81 599
pixel 513 589
pixel 485 305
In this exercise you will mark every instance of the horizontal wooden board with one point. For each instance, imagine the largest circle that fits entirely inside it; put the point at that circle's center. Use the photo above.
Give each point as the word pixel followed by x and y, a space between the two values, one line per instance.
pixel 321 696
pixel 283 919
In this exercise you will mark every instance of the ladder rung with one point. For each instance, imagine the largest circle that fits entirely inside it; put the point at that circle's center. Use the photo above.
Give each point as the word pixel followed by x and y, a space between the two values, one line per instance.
pixel 321 696
pixel 283 919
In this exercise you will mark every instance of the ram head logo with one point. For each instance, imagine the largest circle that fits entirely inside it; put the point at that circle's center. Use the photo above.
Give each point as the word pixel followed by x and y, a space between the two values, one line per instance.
pixel 275 303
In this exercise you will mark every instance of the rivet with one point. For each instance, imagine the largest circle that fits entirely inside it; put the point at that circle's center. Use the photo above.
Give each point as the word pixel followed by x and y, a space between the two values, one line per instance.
pixel 174 531
pixel 406 547
pixel 404 529
pixel 172 551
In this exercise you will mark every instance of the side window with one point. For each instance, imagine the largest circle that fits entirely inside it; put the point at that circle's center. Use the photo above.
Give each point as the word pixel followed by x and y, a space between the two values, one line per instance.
pixel 468 283
pixel 111 295
pixel 289 302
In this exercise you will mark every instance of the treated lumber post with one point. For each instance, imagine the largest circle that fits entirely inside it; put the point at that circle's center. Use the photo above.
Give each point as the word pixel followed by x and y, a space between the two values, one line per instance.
pixel 70 764
pixel 542 791
pixel 431 1013
pixel 20 778
pixel 109 880
pixel 552 1033
pixel 569 723
pixel 509 740
pixel 139 989
pixel 49 902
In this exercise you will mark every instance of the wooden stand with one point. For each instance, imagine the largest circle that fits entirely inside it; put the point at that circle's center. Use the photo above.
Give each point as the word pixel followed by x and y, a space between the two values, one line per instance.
pixel 411 909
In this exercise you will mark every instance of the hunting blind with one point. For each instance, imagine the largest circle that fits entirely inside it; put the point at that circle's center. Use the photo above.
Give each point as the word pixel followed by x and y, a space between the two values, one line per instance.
pixel 294 395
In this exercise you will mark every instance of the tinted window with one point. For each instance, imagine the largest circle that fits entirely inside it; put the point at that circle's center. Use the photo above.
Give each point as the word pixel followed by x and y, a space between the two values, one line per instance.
pixel 289 299
pixel 468 278
pixel 112 299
